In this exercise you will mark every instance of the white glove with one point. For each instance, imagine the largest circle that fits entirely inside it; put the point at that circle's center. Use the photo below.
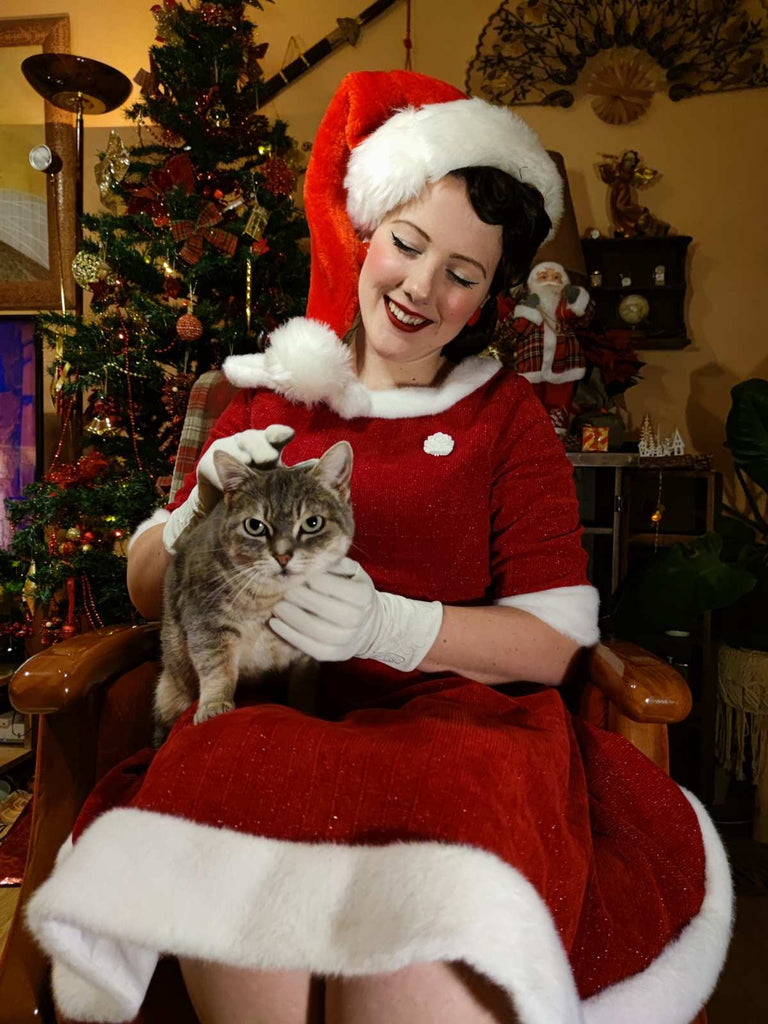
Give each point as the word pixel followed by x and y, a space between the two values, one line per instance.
pixel 339 614
pixel 262 447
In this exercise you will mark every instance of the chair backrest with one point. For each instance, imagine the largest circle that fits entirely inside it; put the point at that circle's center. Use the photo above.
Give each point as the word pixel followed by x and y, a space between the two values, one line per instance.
pixel 210 395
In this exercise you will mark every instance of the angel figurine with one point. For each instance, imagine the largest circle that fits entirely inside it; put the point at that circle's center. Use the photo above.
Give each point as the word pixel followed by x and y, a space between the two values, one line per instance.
pixel 624 174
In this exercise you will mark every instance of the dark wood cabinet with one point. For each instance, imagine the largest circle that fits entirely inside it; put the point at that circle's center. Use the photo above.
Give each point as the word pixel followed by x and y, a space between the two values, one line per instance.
pixel 618 493
pixel 644 263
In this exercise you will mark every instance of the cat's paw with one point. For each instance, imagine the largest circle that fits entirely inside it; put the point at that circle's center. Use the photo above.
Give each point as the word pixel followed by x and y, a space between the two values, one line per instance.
pixel 211 709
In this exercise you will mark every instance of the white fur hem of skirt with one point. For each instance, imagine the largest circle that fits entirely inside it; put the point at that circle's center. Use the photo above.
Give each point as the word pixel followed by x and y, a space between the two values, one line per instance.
pixel 348 911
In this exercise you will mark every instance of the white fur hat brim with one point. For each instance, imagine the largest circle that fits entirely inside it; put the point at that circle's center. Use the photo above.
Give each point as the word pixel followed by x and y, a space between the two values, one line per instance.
pixel 417 146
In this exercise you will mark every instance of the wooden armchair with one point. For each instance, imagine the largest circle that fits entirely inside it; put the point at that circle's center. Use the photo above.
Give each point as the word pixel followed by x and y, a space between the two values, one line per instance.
pixel 93 696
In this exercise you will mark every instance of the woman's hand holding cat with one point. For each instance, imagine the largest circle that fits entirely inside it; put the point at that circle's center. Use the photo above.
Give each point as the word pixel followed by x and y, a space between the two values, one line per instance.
pixel 260 447
pixel 339 614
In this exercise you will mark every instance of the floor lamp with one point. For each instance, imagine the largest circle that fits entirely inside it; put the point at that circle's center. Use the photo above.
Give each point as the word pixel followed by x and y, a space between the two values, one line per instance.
pixel 81 86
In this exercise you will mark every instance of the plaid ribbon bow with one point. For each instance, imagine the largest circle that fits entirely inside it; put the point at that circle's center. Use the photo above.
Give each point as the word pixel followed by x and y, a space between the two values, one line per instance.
pixel 192 234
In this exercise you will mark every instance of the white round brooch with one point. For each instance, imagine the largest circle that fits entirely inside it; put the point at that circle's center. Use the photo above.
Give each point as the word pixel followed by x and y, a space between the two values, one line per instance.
pixel 439 444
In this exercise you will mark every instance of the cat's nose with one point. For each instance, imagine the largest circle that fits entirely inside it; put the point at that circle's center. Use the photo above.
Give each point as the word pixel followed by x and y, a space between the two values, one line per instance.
pixel 283 560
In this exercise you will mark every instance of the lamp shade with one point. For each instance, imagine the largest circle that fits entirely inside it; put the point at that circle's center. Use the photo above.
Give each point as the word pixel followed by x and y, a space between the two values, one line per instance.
pixel 565 247
pixel 67 81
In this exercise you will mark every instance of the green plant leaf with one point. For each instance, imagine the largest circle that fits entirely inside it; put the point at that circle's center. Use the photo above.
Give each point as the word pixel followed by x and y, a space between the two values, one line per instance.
pixel 673 589
pixel 746 429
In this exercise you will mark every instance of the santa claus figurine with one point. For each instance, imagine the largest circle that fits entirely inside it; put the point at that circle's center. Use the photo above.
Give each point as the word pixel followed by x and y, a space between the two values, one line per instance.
pixel 547 352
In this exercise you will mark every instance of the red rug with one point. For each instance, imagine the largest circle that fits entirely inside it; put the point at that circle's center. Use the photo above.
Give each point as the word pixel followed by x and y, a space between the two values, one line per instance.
pixel 13 849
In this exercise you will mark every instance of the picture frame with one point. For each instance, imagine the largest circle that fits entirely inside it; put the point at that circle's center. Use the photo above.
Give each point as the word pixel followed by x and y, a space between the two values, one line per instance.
pixel 37 238
pixel 21 411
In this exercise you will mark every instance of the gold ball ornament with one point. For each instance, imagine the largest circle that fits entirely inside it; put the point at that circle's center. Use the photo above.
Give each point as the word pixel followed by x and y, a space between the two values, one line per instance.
pixel 86 268
pixel 189 328
pixel 73 533
pixel 633 309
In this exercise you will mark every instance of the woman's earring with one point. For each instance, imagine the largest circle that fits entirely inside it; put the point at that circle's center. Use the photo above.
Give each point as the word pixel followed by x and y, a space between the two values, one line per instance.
pixel 475 317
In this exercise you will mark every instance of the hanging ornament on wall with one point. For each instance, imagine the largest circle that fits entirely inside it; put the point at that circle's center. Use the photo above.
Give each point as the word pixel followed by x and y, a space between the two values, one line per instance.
pixel 536 52
pixel 622 88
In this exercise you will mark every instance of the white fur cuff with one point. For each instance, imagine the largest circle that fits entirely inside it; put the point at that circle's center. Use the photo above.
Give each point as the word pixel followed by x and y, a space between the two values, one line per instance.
pixel 160 515
pixel 572 611
pixel 528 313
pixel 580 303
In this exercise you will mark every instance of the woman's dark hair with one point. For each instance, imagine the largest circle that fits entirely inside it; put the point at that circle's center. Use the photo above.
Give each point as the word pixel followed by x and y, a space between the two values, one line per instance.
pixel 498 198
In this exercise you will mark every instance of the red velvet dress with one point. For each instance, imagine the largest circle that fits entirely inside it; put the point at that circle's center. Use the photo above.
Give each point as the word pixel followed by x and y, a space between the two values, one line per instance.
pixel 423 817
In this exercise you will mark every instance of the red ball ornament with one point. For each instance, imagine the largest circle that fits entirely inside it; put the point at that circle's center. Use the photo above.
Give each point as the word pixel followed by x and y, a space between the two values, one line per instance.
pixel 89 536
pixel 278 176
pixel 189 328
pixel 67 548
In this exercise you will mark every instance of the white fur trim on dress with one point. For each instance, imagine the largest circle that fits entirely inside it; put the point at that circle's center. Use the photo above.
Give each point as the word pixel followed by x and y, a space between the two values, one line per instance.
pixel 306 362
pixel 342 910
pixel 572 611
pixel 417 146
pixel 160 515
pixel 681 979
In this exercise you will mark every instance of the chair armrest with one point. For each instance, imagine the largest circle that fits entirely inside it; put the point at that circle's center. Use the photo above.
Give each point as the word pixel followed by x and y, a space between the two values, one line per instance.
pixel 641 686
pixel 57 678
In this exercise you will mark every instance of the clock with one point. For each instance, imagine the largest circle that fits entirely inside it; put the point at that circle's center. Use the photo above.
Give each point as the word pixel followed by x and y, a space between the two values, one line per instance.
pixel 633 309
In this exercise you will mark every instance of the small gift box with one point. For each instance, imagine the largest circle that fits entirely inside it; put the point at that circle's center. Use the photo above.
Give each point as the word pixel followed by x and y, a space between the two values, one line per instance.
pixel 594 439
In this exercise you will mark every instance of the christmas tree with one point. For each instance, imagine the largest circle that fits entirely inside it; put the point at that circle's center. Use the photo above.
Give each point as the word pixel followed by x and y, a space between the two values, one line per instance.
pixel 199 252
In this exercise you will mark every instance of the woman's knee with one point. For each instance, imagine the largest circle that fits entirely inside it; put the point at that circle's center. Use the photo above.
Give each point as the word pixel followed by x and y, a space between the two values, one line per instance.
pixel 448 993
pixel 222 994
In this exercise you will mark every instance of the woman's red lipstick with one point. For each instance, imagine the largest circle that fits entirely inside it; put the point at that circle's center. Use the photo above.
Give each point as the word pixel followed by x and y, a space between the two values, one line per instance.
pixel 409 328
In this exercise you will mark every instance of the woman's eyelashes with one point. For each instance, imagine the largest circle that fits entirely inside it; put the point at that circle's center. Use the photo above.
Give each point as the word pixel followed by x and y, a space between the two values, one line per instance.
pixel 411 251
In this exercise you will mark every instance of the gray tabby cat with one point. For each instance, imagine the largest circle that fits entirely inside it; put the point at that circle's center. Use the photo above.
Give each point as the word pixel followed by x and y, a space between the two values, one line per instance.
pixel 274 527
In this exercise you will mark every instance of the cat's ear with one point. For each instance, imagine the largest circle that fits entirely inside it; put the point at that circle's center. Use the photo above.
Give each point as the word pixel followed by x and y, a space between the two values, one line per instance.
pixel 231 473
pixel 334 468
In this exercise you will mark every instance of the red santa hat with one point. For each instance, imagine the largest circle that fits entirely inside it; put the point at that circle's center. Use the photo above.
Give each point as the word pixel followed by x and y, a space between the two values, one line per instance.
pixel 384 136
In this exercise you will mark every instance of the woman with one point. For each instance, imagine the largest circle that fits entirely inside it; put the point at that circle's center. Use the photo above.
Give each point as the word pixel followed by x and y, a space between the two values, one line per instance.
pixel 432 847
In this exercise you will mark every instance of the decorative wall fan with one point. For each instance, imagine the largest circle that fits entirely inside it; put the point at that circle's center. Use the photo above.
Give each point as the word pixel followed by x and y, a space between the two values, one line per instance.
pixel 535 51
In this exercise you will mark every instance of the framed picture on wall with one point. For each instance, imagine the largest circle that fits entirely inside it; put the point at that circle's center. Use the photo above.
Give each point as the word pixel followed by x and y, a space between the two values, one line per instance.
pixel 37 210
pixel 21 412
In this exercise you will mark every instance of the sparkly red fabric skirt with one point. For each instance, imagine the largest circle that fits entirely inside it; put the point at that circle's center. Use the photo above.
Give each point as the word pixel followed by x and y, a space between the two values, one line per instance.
pixel 537 802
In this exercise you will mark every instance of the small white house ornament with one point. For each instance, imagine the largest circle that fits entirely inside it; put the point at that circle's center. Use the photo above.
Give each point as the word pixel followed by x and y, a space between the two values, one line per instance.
pixel 439 444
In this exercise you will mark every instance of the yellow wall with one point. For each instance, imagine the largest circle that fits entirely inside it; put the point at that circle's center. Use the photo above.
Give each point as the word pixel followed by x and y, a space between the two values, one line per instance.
pixel 712 152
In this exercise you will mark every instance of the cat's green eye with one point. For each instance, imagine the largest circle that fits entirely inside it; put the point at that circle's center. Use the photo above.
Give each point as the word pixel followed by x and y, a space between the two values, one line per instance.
pixel 312 524
pixel 254 527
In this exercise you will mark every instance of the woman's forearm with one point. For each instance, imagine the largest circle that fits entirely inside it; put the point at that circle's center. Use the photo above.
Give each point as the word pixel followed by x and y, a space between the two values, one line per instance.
pixel 495 644
pixel 147 562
